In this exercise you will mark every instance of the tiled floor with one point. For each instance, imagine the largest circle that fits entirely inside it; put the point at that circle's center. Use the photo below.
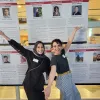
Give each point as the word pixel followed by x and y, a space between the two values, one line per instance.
pixel 88 92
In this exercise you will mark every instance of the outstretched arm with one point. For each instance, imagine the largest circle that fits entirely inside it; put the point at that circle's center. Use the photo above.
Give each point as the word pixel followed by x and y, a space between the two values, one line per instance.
pixel 15 45
pixel 71 38
pixel 52 75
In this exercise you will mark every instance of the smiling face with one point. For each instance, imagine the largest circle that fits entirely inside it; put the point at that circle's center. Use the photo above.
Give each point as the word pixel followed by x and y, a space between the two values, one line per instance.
pixel 40 48
pixel 56 48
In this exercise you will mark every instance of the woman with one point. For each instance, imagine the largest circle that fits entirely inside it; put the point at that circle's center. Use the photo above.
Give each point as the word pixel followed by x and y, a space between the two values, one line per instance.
pixel 37 64
pixel 56 11
pixel 6 13
pixel 60 65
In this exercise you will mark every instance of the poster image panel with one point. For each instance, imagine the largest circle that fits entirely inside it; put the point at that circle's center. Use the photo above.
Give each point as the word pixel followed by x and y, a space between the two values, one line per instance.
pixel 6 12
pixel 79 56
pixel 77 10
pixel 5 58
pixel 37 11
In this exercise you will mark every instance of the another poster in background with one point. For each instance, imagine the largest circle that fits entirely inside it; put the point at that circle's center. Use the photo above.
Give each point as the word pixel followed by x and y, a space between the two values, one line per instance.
pixel 13 66
pixel 84 62
pixel 9 20
pixel 93 35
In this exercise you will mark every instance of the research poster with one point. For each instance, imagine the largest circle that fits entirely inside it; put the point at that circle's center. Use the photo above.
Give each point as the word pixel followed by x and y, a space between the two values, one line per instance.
pixel 84 62
pixel 13 66
pixel 9 20
pixel 48 19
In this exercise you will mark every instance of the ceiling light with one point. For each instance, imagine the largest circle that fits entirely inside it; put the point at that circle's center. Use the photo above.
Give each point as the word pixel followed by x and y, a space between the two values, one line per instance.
pixel 19 6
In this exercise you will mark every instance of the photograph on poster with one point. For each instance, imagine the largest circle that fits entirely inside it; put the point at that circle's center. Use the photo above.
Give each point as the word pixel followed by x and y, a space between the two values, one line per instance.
pixel 79 56
pixel 76 10
pixel 56 10
pixel 5 58
pixel 6 12
pixel 22 20
pixel 37 11
pixel 96 56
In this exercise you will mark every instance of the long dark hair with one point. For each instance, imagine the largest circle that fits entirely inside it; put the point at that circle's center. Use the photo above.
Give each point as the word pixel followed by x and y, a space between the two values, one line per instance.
pixel 36 44
pixel 56 7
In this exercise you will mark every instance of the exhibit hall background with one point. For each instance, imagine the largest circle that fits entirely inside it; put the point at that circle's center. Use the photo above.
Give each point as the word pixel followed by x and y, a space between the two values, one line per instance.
pixel 93 37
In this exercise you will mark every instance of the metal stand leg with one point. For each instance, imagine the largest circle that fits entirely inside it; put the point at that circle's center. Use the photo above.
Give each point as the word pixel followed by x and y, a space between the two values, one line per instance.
pixel 17 93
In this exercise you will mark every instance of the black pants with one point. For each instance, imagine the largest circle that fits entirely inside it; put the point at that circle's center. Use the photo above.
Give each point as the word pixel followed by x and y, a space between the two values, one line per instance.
pixel 34 93
pixel 34 88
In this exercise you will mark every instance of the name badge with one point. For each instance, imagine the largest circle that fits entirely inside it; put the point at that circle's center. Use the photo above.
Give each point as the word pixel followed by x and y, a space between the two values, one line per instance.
pixel 63 56
pixel 35 60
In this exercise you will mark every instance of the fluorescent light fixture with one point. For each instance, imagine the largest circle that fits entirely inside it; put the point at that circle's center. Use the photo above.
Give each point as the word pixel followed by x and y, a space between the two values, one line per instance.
pixel 90 32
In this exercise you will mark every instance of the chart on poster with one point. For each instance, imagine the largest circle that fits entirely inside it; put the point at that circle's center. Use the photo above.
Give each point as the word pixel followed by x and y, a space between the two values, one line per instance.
pixel 48 19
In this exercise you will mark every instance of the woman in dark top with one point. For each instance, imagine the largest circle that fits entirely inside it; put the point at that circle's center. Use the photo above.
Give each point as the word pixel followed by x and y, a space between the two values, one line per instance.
pixel 60 65
pixel 37 64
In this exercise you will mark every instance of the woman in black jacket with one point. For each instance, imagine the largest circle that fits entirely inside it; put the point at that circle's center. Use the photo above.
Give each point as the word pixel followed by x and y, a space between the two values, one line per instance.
pixel 37 64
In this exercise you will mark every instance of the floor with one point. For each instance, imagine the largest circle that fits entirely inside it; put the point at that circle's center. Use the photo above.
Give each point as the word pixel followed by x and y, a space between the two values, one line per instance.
pixel 88 92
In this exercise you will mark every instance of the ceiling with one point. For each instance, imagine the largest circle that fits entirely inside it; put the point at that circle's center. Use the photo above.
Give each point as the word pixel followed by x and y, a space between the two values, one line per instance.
pixel 93 10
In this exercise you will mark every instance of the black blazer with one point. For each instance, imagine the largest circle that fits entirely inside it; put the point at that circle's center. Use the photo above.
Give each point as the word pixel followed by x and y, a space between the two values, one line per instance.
pixel 78 13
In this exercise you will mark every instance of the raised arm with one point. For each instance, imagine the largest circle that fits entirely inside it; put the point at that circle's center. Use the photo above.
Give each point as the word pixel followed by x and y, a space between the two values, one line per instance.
pixel 71 38
pixel 15 45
